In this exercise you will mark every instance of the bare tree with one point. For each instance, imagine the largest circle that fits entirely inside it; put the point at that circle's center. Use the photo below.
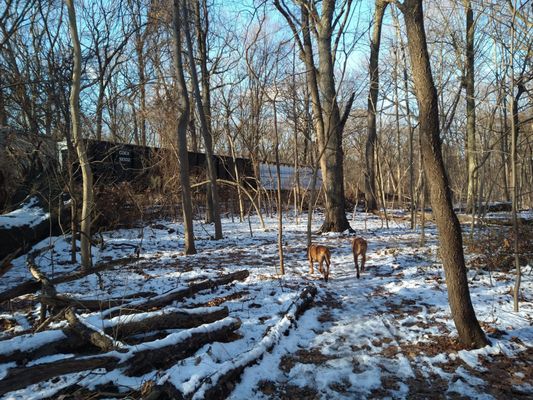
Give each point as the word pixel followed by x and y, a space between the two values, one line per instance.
pixel 470 107
pixel 204 128
pixel 329 123
pixel 182 107
pixel 370 152
pixel 104 20
pixel 451 243
pixel 87 177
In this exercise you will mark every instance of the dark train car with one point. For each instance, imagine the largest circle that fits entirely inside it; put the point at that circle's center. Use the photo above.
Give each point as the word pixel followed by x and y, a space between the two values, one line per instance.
pixel 224 166
pixel 118 162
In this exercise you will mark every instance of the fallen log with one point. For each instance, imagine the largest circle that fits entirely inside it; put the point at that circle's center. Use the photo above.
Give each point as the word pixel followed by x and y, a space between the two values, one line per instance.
pixel 32 286
pixel 222 382
pixel 164 391
pixel 175 295
pixel 47 288
pixel 27 347
pixel 52 318
pixel 129 325
pixel 19 378
pixel 19 236
pixel 143 358
pixel 30 346
pixel 161 354
pixel 90 335
pixel 64 301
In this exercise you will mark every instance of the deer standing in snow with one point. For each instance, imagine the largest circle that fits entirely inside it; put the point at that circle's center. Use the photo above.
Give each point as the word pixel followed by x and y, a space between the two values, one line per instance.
pixel 319 254
pixel 359 246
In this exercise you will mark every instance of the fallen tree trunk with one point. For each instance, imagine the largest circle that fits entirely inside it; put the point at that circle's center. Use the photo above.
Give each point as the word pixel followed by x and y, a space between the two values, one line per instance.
pixel 179 294
pixel 32 286
pixel 67 341
pixel 19 378
pixel 220 384
pixel 63 301
pixel 47 288
pixel 161 354
pixel 164 391
pixel 168 319
pixel 88 334
pixel 143 358
pixel 32 346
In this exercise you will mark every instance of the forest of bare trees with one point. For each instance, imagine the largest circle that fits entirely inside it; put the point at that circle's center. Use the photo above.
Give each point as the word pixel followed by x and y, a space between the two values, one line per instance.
pixel 480 56
pixel 388 105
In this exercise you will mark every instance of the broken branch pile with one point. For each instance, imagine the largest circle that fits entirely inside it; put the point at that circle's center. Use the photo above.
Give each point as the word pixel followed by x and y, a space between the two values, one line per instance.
pixel 135 336
pixel 128 337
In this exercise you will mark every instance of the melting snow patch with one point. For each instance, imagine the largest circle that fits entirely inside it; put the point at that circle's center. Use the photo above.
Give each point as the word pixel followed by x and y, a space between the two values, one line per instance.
pixel 30 214
pixel 465 390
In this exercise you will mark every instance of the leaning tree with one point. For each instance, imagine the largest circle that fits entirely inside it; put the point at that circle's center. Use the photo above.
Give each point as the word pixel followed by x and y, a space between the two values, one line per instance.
pixel 450 236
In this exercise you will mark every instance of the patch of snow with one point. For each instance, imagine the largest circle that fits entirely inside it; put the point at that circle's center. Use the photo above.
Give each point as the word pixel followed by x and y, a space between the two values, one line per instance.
pixel 29 342
pixel 30 214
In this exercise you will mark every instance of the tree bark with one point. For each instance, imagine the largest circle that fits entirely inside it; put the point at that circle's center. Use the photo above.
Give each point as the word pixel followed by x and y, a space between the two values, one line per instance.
pixel 176 295
pixel 278 197
pixel 87 334
pixel 370 151
pixel 204 128
pixel 168 319
pixel 51 342
pixel 470 109
pixel 327 119
pixel 451 243
pixel 182 106
pixel 219 385
pixel 86 172
pixel 332 161
pixel 32 286
pixel 141 69
pixel 151 357
pixel 22 377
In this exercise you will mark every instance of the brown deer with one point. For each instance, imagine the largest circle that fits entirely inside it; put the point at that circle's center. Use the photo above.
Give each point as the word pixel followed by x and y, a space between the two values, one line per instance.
pixel 319 254
pixel 359 247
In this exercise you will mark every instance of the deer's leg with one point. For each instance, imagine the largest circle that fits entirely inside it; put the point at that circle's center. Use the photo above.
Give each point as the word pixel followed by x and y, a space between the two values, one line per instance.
pixel 311 268
pixel 363 261
pixel 356 263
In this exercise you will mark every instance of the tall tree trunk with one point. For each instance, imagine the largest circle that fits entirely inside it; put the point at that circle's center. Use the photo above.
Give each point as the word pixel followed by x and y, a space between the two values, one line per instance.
pixel 182 106
pixel 87 176
pixel 139 48
pixel 332 161
pixel 470 109
pixel 370 151
pixel 409 123
pixel 202 29
pixel 327 118
pixel 515 123
pixel 100 109
pixel 399 188
pixel 3 113
pixel 295 122
pixel 204 127
pixel 278 198
pixel 505 149
pixel 451 243
pixel 192 130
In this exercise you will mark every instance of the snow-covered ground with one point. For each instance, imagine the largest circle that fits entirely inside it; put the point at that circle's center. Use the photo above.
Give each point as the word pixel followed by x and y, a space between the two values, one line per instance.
pixel 29 214
pixel 386 335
